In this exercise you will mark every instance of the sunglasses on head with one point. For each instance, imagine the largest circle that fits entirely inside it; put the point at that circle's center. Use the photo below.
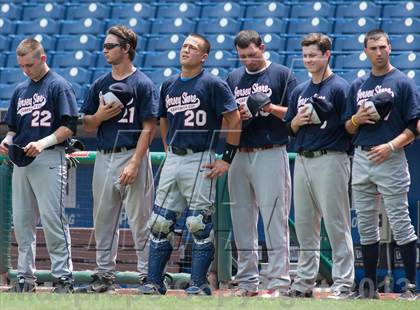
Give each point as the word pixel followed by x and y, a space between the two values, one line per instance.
pixel 110 46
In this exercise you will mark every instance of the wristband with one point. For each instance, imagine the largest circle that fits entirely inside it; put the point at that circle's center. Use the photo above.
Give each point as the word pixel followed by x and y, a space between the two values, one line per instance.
pixel 391 146
pixel 48 141
pixel 353 121
pixel 229 152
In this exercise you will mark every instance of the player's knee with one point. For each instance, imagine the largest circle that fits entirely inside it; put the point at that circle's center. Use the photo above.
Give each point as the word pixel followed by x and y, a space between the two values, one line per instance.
pixel 161 222
pixel 200 225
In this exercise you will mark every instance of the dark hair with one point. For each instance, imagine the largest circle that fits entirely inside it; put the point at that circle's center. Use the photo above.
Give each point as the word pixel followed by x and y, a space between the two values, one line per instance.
pixel 206 46
pixel 375 34
pixel 126 36
pixel 319 39
pixel 30 45
pixel 245 37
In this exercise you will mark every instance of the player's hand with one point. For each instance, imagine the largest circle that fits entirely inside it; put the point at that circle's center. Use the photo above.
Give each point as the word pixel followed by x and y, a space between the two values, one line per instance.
pixel 129 174
pixel 4 150
pixel 33 149
pixel 302 118
pixel 379 153
pixel 267 108
pixel 244 112
pixel 364 115
pixel 107 111
pixel 217 168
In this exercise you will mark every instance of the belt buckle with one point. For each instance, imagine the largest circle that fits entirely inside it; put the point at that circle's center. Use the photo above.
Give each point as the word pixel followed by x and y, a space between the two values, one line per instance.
pixel 179 151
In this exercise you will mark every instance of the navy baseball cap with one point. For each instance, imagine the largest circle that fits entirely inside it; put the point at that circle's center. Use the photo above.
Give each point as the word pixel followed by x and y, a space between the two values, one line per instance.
pixel 124 93
pixel 255 102
pixel 323 108
pixel 383 102
pixel 18 156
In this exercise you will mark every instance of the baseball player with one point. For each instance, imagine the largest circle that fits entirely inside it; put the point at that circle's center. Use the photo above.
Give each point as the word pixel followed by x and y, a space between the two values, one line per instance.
pixel 380 165
pixel 321 161
pixel 259 178
pixel 122 106
pixel 193 104
pixel 41 116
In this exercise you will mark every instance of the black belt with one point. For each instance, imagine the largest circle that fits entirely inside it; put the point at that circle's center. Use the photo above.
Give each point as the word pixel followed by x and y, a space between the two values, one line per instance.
pixel 366 148
pixel 118 149
pixel 245 149
pixel 312 154
pixel 182 151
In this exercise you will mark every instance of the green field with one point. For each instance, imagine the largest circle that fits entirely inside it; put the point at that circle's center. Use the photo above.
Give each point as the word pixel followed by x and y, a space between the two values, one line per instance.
pixel 126 302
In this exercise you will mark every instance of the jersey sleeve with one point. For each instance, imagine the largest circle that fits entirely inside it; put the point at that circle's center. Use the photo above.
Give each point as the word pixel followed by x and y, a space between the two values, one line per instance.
pixel 292 106
pixel 289 87
pixel 10 117
pixel 411 101
pixel 149 107
pixel 223 98
pixel 351 102
pixel 340 100
pixel 66 99
pixel 162 103
pixel 91 102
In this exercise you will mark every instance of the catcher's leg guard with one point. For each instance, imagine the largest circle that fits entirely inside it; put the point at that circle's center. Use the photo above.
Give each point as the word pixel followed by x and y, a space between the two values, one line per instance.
pixel 162 224
pixel 200 225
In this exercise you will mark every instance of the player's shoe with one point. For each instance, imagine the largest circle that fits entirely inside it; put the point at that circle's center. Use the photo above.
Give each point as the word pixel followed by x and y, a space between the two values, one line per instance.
pixel 292 293
pixel 274 292
pixel 241 292
pixel 64 286
pixel 101 283
pixel 152 289
pixel 142 278
pixel 365 294
pixel 199 290
pixel 22 286
pixel 341 295
pixel 410 293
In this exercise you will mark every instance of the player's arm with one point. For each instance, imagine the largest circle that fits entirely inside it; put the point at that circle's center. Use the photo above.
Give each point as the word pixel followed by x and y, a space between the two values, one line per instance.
pixel 301 118
pixel 277 110
pixel 362 116
pixel 234 124
pixel 164 131
pixel 104 112
pixel 8 140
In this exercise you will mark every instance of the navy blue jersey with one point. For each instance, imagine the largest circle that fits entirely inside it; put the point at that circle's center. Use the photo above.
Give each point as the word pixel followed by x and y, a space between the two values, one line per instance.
pixel 144 106
pixel 194 109
pixel 36 108
pixel 277 82
pixel 406 106
pixel 331 134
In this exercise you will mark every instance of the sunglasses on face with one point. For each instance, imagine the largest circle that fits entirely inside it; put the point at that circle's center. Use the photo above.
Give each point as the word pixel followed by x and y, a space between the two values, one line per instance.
pixel 110 46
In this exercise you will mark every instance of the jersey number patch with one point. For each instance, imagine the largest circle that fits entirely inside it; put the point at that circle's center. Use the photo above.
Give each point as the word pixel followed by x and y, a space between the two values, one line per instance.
pixel 128 116
pixel 41 118
pixel 198 118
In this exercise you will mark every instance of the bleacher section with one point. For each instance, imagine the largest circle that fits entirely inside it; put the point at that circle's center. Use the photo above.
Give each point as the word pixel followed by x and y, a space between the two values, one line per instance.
pixel 73 32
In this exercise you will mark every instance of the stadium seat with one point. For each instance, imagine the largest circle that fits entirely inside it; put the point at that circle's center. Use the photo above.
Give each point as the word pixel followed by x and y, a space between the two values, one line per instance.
pixel 415 75
pixel 401 25
pixel 161 59
pixel 10 11
pixel 356 25
pixel 305 26
pixel 222 9
pixel 358 9
pixel 86 26
pixel 45 10
pixel 267 9
pixel 401 9
pixel 76 59
pixel 220 72
pixel 266 25
pixel 347 43
pixel 406 60
pixel 86 42
pixel 294 61
pixel 88 10
pixel 158 76
pixel 357 60
pixel 312 9
pixel 301 75
pixel 351 75
pixel 180 9
pixel 274 57
pixel 6 91
pixel 6 26
pixel 4 44
pixel 222 25
pixel 221 59
pixel 221 41
pixel 12 75
pixel 75 74
pixel 128 10
pixel 173 25
pixel 38 26
pixel 409 42
pixel 293 43
pixel 139 25
pixel 273 42
pixel 48 42
pixel 165 42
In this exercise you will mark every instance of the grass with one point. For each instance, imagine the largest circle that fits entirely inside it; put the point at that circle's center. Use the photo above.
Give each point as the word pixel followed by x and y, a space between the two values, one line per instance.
pixel 127 302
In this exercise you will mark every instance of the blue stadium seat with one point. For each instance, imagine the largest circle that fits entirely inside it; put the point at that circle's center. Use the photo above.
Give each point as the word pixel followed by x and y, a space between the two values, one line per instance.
pixel 301 75
pixel 4 43
pixel 161 59
pixel 97 72
pixel 315 24
pixel 4 104
pixel 351 75
pixel 128 10
pixel 75 74
pixel 401 9
pixel 401 25
pixel 357 60
pixel 356 25
pixel 415 75
pixel 7 26
pixel 221 59
pixel 266 25
pixel 173 25
pixel 358 9
pixel 139 25
pixel 406 60
pixel 12 75
pixel 165 42
pixel 273 41
pixel 86 42
pixel 267 9
pixel 222 25
pixel 88 10
pixel 180 9
pixel 158 76
pixel 2 59
pixel 294 61
pixel 47 10
pixel 38 26
pixel 221 41
pixel 293 43
pixel 274 57
pixel 409 42
pixel 48 42
pixel 86 26
pixel 346 43
pixel 222 9
pixel 10 11
pixel 312 9
pixel 73 59
pixel 220 72
pixel 6 91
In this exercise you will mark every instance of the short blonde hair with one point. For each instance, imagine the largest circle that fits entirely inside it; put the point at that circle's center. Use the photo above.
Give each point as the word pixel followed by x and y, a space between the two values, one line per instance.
pixel 28 46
